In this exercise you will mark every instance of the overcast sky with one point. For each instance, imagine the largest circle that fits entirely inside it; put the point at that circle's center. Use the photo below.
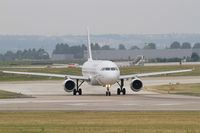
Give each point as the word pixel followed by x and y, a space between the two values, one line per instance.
pixel 62 17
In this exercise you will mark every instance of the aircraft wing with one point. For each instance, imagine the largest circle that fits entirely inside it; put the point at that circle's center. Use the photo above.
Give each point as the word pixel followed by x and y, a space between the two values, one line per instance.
pixel 48 75
pixel 131 76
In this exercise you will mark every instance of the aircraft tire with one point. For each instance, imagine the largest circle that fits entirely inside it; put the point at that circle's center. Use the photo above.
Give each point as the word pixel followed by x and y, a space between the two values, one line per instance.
pixel 124 91
pixel 118 91
pixel 108 93
pixel 74 92
pixel 80 91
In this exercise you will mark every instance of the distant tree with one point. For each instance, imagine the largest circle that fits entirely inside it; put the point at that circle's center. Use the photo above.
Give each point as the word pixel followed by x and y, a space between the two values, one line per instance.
pixel 150 46
pixel 134 47
pixel 84 47
pixel 9 55
pixel 25 54
pixel 61 48
pixel 196 45
pixel 76 51
pixel 186 45
pixel 92 46
pixel 105 47
pixel 19 54
pixel 175 45
pixel 121 47
pixel 1 57
pixel 42 54
pixel 96 46
pixel 194 57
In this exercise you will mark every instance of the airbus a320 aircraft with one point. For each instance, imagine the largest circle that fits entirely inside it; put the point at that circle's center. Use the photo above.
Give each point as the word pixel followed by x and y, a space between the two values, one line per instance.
pixel 102 73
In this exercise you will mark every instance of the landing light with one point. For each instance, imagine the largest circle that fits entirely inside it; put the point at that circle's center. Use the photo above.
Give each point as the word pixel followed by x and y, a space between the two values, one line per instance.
pixel 108 86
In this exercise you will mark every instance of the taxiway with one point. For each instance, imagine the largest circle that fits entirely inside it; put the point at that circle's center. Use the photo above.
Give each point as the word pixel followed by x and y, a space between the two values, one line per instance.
pixel 50 95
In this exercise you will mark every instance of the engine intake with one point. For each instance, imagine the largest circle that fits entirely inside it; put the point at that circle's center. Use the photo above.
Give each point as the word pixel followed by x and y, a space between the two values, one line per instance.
pixel 136 85
pixel 69 85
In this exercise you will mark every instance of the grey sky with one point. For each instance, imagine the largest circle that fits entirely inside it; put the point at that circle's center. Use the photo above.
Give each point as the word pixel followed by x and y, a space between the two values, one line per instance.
pixel 61 17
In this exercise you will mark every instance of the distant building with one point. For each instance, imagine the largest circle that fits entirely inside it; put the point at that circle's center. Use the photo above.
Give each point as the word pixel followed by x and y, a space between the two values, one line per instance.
pixel 148 53
pixel 62 57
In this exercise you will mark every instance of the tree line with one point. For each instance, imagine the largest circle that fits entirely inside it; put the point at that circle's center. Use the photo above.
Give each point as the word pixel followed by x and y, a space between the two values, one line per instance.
pixel 193 58
pixel 185 45
pixel 78 51
pixel 64 48
pixel 31 54
pixel 174 45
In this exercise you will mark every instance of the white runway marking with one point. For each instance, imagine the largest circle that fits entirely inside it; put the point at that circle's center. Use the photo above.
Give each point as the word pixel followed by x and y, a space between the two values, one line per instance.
pixel 130 104
pixel 168 104
pixel 77 104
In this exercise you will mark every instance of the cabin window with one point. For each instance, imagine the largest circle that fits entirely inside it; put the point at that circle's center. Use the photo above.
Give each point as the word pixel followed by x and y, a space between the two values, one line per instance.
pixel 114 69
pixel 109 69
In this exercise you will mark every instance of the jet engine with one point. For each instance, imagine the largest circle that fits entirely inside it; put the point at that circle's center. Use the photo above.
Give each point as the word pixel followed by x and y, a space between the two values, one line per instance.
pixel 69 85
pixel 136 85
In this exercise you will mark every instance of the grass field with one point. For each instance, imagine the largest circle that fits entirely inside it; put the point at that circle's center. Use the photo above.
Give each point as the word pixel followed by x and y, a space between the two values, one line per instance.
pixel 182 89
pixel 77 71
pixel 100 122
pixel 7 95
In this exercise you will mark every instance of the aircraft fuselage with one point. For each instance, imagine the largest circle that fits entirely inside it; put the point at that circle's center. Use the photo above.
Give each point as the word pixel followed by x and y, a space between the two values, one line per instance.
pixel 101 72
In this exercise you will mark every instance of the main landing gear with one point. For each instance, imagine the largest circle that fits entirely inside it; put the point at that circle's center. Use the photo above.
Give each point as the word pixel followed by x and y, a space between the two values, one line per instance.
pixel 77 89
pixel 121 89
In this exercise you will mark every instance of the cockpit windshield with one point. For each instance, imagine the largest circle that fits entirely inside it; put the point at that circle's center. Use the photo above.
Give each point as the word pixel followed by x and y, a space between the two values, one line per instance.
pixel 109 69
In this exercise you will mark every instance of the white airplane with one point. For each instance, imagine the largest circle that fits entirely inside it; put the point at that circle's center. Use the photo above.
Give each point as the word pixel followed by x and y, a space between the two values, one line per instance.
pixel 102 73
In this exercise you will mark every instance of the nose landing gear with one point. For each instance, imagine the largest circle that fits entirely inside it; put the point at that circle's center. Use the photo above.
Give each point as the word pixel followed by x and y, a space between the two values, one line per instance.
pixel 108 93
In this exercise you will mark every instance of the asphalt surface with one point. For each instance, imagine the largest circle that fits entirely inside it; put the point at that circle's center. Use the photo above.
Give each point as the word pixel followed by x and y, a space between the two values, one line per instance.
pixel 50 95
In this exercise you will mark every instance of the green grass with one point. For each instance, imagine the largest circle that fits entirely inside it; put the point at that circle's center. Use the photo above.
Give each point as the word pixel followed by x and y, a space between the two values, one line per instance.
pixel 37 62
pixel 181 89
pixel 8 95
pixel 77 71
pixel 99 122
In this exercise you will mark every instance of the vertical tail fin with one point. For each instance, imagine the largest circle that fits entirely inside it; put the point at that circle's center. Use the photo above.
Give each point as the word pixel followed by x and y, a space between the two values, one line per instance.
pixel 89 46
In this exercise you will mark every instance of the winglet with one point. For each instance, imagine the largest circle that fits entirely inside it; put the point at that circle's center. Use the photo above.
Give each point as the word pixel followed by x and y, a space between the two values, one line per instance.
pixel 89 46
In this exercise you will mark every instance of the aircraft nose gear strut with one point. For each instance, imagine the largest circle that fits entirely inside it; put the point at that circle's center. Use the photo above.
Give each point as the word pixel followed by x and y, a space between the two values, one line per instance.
pixel 78 89
pixel 108 93
pixel 121 89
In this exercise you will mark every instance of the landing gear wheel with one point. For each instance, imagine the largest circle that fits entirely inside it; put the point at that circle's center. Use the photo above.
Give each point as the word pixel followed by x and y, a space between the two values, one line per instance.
pixel 121 89
pixel 108 93
pixel 124 91
pixel 74 92
pixel 80 91
pixel 118 91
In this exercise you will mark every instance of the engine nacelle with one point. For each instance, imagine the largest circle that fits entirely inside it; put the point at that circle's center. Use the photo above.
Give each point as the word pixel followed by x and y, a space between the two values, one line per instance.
pixel 136 85
pixel 69 85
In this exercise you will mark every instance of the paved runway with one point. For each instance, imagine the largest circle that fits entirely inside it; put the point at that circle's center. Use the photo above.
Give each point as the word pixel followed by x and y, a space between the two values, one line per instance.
pixel 49 95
